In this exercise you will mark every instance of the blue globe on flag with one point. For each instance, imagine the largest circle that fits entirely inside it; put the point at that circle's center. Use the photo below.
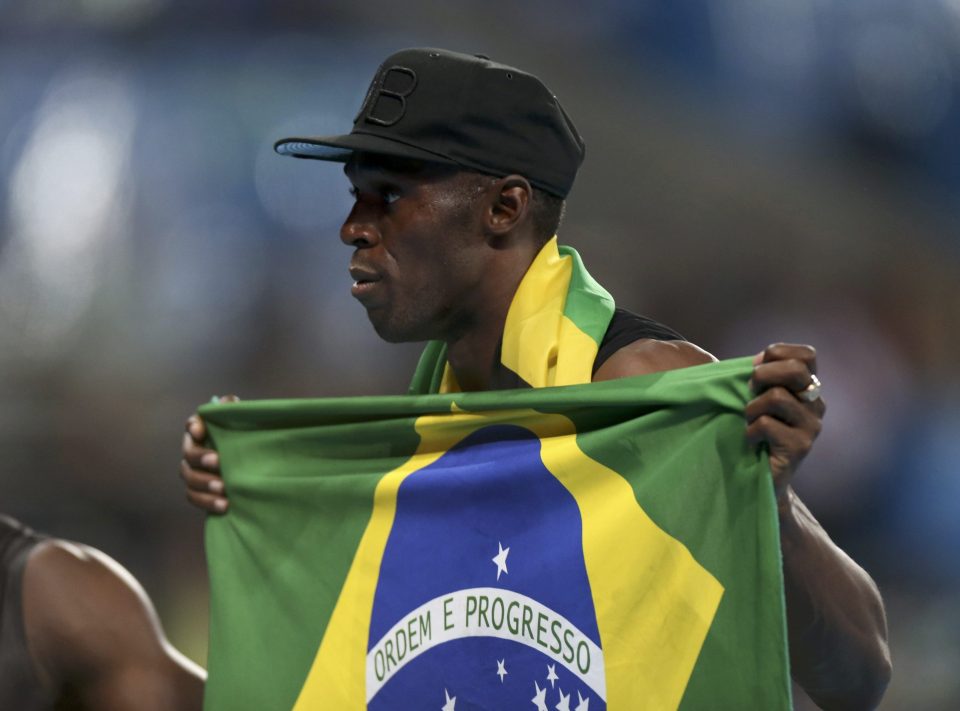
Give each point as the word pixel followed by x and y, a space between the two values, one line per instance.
pixel 483 599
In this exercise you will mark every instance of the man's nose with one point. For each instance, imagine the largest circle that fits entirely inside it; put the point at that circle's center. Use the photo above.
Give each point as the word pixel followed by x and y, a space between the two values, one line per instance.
pixel 359 229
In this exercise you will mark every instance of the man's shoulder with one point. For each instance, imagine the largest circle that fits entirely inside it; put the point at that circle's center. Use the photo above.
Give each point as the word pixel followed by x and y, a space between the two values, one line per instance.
pixel 94 631
pixel 637 345
pixel 83 609
pixel 650 356
pixel 78 581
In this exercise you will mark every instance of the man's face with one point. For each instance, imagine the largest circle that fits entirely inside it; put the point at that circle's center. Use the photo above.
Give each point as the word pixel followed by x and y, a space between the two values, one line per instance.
pixel 419 258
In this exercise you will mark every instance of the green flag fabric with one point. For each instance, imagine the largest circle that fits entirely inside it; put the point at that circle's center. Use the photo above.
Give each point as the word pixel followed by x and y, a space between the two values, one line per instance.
pixel 602 546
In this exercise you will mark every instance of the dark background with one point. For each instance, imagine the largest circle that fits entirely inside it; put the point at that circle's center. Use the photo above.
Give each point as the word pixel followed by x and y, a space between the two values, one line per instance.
pixel 756 171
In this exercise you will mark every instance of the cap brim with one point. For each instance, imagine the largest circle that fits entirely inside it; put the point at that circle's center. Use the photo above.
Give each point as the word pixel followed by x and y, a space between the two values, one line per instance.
pixel 340 148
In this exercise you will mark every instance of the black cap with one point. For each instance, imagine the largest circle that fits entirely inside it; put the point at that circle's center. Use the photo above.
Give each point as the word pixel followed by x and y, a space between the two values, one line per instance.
pixel 460 109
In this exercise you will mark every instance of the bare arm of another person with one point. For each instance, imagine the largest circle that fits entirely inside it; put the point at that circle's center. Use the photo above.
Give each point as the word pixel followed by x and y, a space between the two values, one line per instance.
pixel 95 637
pixel 835 616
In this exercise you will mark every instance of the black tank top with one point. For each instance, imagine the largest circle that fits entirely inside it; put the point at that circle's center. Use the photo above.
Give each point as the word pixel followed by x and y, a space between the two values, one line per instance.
pixel 625 328
pixel 20 688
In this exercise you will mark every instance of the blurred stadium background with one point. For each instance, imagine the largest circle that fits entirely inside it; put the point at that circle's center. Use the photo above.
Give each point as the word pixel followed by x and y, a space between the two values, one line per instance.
pixel 756 171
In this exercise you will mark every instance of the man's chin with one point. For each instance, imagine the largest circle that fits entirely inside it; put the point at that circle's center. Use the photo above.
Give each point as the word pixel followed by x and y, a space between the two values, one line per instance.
pixel 394 333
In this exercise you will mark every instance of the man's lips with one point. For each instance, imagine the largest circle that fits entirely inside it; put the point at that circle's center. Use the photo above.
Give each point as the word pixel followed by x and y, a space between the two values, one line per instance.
pixel 364 281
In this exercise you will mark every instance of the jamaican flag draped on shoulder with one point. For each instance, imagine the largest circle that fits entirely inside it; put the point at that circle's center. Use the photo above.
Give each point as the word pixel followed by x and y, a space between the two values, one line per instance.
pixel 582 547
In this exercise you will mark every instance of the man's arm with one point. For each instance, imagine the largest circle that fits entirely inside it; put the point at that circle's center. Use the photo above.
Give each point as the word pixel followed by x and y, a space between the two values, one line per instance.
pixel 835 617
pixel 95 637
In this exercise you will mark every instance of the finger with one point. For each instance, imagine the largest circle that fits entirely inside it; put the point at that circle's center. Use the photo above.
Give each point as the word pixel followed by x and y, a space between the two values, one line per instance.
pixel 783 405
pixel 195 424
pixel 200 457
pixel 787 446
pixel 208 502
pixel 792 443
pixel 789 351
pixel 786 377
pixel 196 428
pixel 201 481
pixel 793 373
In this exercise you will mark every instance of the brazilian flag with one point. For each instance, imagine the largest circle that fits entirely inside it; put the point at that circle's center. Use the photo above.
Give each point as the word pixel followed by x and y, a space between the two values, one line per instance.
pixel 587 547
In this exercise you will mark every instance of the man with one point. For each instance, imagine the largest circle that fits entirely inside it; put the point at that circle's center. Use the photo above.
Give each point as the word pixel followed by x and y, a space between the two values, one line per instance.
pixel 78 632
pixel 460 167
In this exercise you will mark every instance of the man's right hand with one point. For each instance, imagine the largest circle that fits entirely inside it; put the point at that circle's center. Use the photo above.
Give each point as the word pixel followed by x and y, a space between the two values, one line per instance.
pixel 200 467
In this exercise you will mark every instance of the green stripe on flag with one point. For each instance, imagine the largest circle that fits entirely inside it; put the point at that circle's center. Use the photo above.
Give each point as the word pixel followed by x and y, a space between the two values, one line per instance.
pixel 588 305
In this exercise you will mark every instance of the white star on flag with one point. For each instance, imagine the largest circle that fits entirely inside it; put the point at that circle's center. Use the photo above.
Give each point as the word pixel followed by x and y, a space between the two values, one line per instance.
pixel 552 674
pixel 541 698
pixel 564 704
pixel 501 559
pixel 584 704
pixel 501 669
pixel 451 704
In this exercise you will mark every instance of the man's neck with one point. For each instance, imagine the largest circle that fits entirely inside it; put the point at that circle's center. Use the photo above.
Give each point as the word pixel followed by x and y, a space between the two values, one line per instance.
pixel 473 359
pixel 474 354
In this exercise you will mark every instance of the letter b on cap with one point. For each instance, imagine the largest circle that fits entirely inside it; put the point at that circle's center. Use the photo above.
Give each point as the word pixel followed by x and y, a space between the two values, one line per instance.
pixel 386 101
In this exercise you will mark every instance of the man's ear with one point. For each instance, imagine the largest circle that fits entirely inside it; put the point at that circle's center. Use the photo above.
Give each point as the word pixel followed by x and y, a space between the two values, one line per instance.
pixel 509 205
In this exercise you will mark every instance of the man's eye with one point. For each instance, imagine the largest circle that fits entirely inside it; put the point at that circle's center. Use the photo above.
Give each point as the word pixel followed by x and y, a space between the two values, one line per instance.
pixel 387 195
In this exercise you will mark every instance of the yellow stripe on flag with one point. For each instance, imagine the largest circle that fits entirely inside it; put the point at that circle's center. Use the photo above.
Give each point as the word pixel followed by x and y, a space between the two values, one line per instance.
pixel 540 344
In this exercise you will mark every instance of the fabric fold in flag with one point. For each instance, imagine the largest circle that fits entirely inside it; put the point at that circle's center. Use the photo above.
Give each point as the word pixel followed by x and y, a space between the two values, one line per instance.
pixel 603 546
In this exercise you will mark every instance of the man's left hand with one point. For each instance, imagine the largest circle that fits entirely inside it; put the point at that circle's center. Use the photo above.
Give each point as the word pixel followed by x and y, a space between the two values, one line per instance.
pixel 783 375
